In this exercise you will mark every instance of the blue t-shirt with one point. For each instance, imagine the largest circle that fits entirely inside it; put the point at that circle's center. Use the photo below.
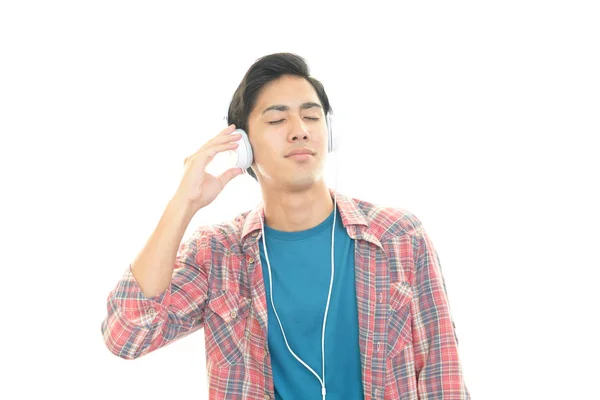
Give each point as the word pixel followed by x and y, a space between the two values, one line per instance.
pixel 301 274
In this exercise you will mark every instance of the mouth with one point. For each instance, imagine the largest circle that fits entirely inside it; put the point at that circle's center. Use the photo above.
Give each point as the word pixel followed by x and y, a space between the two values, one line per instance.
pixel 300 156
pixel 300 152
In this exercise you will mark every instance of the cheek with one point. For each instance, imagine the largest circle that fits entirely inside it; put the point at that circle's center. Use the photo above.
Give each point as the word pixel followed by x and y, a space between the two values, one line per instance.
pixel 268 150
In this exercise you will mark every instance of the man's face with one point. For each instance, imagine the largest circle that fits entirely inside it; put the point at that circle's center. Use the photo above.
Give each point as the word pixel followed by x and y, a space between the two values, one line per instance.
pixel 288 116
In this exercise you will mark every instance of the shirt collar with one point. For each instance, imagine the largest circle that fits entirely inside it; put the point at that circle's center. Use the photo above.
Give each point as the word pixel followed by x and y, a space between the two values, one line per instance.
pixel 353 219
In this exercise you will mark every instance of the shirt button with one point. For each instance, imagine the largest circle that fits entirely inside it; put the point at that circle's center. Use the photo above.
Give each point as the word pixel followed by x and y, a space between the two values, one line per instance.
pixel 255 234
pixel 267 397
pixel 251 260
pixel 233 314
pixel 151 311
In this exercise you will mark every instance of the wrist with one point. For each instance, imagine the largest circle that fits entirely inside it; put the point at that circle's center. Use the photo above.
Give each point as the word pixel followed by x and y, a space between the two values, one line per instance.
pixel 182 207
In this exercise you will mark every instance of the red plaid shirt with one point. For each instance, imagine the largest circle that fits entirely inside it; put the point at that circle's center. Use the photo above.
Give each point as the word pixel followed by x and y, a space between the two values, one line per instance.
pixel 408 345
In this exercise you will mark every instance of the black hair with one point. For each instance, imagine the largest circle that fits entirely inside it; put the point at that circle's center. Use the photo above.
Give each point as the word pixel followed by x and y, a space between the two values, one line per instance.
pixel 263 71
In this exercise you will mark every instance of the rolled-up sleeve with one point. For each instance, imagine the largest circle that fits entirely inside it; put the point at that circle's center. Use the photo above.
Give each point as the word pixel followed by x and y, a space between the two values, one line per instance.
pixel 439 370
pixel 136 325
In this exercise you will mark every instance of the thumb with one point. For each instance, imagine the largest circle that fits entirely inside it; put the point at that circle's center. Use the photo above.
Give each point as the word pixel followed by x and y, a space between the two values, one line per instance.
pixel 228 175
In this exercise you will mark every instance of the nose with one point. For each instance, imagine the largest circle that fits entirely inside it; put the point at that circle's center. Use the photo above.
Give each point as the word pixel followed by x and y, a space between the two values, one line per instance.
pixel 298 131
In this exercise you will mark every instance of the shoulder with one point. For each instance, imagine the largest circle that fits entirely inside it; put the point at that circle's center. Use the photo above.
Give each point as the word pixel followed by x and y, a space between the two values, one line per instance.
pixel 221 237
pixel 388 222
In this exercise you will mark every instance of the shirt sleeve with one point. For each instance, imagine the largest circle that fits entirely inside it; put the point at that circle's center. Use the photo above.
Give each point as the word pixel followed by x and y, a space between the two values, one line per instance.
pixel 136 324
pixel 439 371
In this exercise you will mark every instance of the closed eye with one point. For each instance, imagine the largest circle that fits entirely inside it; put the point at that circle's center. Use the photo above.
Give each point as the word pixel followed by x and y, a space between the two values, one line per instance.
pixel 281 120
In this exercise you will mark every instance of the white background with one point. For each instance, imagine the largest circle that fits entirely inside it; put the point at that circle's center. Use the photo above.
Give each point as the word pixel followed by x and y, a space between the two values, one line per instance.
pixel 481 118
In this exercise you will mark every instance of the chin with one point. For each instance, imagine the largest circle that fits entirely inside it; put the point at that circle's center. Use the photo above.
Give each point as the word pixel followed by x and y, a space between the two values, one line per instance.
pixel 294 177
pixel 306 179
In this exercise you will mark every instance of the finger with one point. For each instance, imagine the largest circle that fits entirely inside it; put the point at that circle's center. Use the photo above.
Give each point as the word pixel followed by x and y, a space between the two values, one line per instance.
pixel 228 175
pixel 220 138
pixel 224 139
pixel 227 130
pixel 208 154
pixel 217 141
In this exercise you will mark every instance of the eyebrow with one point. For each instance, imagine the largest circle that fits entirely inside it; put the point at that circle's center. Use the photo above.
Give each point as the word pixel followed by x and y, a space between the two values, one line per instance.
pixel 283 107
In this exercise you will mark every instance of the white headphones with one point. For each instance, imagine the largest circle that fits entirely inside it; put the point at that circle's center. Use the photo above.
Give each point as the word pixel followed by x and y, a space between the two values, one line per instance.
pixel 243 155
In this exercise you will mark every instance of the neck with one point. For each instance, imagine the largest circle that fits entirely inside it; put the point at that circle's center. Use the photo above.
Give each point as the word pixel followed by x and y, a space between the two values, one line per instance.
pixel 292 211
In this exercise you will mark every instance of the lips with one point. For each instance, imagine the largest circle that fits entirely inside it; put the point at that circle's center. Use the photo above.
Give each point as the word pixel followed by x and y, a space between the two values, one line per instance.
pixel 300 151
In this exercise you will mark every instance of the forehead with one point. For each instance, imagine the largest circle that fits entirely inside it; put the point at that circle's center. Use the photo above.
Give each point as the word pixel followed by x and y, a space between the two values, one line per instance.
pixel 288 90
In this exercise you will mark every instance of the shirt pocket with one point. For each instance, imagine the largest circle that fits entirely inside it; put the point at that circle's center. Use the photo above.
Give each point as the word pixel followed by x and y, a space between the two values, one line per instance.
pixel 399 318
pixel 225 325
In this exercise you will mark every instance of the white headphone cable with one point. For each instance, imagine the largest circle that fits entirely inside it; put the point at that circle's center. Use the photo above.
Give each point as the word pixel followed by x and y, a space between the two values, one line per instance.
pixel 321 380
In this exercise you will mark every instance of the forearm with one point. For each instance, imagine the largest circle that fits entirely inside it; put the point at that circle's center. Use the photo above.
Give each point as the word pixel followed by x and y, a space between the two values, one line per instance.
pixel 137 324
pixel 153 266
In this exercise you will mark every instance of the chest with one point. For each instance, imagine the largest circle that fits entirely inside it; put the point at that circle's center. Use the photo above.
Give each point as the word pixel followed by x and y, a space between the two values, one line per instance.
pixel 381 273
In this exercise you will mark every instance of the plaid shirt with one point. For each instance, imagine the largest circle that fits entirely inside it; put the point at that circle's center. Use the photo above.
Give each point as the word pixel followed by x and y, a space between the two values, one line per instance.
pixel 407 339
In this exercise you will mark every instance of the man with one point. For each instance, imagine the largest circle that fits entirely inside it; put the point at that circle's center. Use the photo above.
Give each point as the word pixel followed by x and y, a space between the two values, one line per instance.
pixel 311 295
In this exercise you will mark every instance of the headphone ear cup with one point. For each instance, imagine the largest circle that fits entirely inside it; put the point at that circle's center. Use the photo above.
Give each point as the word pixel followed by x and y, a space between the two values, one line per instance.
pixel 243 153
pixel 329 134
